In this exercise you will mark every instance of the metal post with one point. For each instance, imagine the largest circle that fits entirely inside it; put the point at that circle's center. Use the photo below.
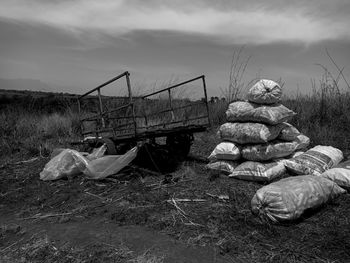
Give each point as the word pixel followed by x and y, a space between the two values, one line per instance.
pixel 79 114
pixel 171 105
pixel 101 107
pixel 206 98
pixel 127 75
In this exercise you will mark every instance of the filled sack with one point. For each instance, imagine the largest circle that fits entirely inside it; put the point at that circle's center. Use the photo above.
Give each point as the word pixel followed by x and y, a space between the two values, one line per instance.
pixel 248 132
pixel 288 198
pixel 273 150
pixel 225 151
pixel 259 172
pixel 243 111
pixel 302 142
pixel 315 161
pixel 225 167
pixel 288 133
pixel 339 174
pixel 265 91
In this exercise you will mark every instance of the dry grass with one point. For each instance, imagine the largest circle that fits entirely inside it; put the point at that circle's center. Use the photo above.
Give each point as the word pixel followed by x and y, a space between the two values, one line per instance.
pixel 32 133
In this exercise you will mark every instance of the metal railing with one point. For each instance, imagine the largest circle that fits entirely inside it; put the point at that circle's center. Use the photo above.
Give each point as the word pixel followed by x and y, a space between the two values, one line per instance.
pixel 104 116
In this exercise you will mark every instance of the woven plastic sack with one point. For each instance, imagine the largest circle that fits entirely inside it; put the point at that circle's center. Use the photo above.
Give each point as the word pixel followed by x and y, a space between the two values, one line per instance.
pixel 302 142
pixel 225 151
pixel 315 161
pixel 259 172
pixel 288 133
pixel 265 92
pixel 340 175
pixel 243 133
pixel 225 167
pixel 243 111
pixel 273 150
pixel 288 198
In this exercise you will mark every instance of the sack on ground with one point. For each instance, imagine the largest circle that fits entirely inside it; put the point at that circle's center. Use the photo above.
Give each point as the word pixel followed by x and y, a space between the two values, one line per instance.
pixel 268 151
pixel 225 167
pixel 225 151
pixel 288 133
pixel 340 175
pixel 248 132
pixel 265 92
pixel 243 111
pixel 259 172
pixel 288 198
pixel 315 161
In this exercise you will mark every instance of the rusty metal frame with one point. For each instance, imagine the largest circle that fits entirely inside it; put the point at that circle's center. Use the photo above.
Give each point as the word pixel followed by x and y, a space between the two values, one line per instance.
pixel 102 115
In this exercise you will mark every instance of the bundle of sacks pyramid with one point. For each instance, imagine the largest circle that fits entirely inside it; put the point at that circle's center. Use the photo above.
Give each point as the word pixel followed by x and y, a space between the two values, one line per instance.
pixel 257 135
pixel 258 144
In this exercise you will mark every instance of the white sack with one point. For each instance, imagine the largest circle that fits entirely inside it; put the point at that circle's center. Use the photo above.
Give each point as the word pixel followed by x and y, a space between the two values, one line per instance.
pixel 265 92
pixel 273 150
pixel 288 198
pixel 249 132
pixel 243 111
pixel 340 174
pixel 225 151
pixel 288 133
pixel 259 172
pixel 315 161
pixel 302 142
pixel 225 167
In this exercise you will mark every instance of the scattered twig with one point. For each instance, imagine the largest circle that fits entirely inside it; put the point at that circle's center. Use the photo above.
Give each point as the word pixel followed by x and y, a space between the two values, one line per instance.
pixel 171 185
pixel 97 196
pixel 46 216
pixel 220 197
pixel 6 248
pixel 186 200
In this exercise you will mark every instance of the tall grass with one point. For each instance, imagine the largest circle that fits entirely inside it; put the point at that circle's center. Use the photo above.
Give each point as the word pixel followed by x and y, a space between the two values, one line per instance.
pixel 32 133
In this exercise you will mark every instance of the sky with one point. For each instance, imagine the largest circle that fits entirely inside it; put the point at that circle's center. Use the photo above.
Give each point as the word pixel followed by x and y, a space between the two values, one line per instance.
pixel 78 44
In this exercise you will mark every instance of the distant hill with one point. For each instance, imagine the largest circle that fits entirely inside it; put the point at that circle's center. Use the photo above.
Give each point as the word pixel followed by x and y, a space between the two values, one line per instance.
pixel 24 84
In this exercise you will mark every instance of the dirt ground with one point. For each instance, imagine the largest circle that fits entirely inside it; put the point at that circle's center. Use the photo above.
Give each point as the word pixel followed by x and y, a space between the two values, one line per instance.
pixel 188 216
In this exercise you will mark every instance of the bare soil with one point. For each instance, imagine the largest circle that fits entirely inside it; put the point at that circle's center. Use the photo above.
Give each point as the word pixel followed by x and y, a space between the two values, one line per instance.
pixel 141 218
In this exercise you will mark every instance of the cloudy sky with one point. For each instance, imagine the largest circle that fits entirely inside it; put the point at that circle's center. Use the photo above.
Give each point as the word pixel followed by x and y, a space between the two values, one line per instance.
pixel 81 43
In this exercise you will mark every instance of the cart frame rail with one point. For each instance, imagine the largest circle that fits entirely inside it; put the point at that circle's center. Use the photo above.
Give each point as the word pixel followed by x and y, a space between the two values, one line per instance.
pixel 138 132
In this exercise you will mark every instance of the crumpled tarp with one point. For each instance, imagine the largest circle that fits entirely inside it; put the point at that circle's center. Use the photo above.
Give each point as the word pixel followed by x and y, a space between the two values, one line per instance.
pixel 95 166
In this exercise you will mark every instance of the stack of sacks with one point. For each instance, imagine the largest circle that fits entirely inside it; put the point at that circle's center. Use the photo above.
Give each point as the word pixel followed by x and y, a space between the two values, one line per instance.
pixel 259 131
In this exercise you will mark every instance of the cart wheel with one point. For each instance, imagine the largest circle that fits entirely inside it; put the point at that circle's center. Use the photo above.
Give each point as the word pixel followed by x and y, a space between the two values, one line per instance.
pixel 111 150
pixel 180 144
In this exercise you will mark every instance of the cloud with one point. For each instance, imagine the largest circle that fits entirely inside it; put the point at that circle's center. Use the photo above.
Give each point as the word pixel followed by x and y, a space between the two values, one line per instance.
pixel 229 22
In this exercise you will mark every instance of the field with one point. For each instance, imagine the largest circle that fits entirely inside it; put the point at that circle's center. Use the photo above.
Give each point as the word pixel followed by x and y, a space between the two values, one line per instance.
pixel 189 215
